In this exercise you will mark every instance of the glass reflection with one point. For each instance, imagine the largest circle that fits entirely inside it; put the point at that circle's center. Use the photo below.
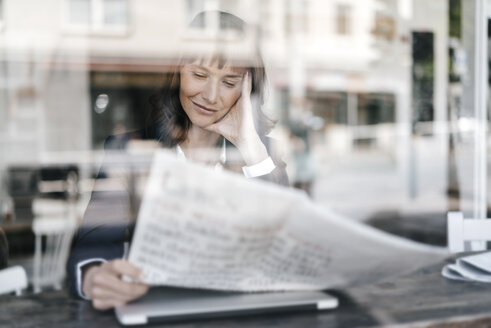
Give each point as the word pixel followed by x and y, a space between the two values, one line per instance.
pixel 370 99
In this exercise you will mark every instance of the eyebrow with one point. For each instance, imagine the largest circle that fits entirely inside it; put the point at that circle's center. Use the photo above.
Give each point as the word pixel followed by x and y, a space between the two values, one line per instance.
pixel 234 76
pixel 230 76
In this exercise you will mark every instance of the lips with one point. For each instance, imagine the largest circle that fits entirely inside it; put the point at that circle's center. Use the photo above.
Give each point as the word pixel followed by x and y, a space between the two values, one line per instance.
pixel 204 109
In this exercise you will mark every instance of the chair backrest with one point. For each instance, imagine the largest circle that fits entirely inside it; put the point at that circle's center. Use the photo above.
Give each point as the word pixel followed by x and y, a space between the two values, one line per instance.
pixel 55 221
pixel 460 230
pixel 13 279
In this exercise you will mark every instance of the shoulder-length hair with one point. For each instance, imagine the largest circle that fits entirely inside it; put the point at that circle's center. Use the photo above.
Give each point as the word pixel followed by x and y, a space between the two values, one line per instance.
pixel 170 123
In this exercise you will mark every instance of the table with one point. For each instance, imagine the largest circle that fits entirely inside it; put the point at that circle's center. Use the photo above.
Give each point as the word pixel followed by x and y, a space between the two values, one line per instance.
pixel 420 299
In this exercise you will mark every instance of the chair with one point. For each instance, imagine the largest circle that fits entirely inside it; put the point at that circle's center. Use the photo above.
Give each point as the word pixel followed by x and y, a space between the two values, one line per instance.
pixel 13 279
pixel 460 230
pixel 54 221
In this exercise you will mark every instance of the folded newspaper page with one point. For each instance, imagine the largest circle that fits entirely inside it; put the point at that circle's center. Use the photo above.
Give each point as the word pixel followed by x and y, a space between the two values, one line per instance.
pixel 476 267
pixel 204 229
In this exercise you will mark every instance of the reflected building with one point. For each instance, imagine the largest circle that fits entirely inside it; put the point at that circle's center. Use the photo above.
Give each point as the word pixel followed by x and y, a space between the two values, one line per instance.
pixel 366 82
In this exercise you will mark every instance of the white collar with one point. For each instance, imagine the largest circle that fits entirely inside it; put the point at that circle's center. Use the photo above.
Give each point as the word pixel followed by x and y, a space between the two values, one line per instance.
pixel 218 166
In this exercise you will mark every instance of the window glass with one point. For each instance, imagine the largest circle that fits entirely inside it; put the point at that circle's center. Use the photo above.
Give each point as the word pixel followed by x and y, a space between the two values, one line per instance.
pixel 373 102
pixel 97 15
pixel 80 12
pixel 343 19
pixel 115 12
pixel 1 11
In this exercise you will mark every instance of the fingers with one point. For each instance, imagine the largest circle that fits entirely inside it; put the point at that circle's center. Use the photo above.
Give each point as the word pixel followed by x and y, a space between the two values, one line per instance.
pixel 238 120
pixel 247 84
pixel 122 267
pixel 107 283
pixel 99 292
pixel 104 284
pixel 99 304
pixel 108 300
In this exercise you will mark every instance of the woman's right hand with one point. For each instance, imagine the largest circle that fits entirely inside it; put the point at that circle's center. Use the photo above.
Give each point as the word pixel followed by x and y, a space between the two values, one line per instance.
pixel 104 284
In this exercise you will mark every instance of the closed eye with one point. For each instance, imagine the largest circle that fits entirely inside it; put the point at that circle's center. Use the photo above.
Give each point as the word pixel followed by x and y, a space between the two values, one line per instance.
pixel 230 84
pixel 199 75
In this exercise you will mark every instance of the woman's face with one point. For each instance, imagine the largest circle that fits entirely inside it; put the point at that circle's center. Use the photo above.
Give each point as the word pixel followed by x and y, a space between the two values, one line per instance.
pixel 208 92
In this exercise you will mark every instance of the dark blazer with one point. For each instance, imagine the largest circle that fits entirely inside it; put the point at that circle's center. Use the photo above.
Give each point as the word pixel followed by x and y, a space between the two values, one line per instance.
pixel 4 250
pixel 110 216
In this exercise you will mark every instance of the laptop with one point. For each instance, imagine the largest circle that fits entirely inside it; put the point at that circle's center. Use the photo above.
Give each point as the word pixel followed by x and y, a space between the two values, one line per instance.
pixel 167 304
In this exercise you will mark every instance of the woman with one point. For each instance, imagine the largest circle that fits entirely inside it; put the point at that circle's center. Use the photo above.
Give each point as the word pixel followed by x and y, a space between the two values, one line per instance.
pixel 208 102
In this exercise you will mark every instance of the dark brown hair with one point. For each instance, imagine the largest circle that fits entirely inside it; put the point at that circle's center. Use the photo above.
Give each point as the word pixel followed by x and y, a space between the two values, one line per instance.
pixel 170 123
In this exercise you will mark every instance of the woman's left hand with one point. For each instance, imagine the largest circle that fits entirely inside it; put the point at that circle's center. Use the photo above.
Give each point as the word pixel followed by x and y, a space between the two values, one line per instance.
pixel 237 126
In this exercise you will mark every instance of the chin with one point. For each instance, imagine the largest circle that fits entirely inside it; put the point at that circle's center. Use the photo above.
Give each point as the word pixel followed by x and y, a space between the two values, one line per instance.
pixel 202 122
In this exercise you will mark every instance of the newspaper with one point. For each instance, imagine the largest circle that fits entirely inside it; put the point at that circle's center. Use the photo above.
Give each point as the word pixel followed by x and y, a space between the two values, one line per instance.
pixel 476 267
pixel 204 229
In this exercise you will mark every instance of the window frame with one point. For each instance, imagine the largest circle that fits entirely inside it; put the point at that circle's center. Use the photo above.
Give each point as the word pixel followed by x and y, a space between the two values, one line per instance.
pixel 211 24
pixel 96 25
pixel 2 15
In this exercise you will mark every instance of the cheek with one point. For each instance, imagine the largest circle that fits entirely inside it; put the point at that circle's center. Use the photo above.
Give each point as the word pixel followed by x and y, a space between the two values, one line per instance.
pixel 188 86
pixel 230 97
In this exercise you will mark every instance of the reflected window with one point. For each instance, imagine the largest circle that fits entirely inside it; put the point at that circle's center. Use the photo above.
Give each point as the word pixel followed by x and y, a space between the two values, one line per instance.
pixel 368 91
pixel 115 13
pixel 423 71
pixel 120 102
pixel 332 107
pixel 297 18
pixel 97 15
pixel 79 12
pixel 376 108
pixel 1 15
pixel 210 21
pixel 384 27
pixel 343 19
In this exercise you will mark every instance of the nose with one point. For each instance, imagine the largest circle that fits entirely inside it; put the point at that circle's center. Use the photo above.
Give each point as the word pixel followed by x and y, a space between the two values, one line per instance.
pixel 210 92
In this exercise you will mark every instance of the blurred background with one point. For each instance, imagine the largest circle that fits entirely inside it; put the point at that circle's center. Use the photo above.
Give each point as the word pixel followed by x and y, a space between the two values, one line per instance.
pixel 379 115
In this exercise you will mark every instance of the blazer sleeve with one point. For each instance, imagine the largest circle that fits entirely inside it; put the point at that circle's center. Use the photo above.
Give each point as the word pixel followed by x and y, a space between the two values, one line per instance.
pixel 278 175
pixel 4 249
pixel 105 225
